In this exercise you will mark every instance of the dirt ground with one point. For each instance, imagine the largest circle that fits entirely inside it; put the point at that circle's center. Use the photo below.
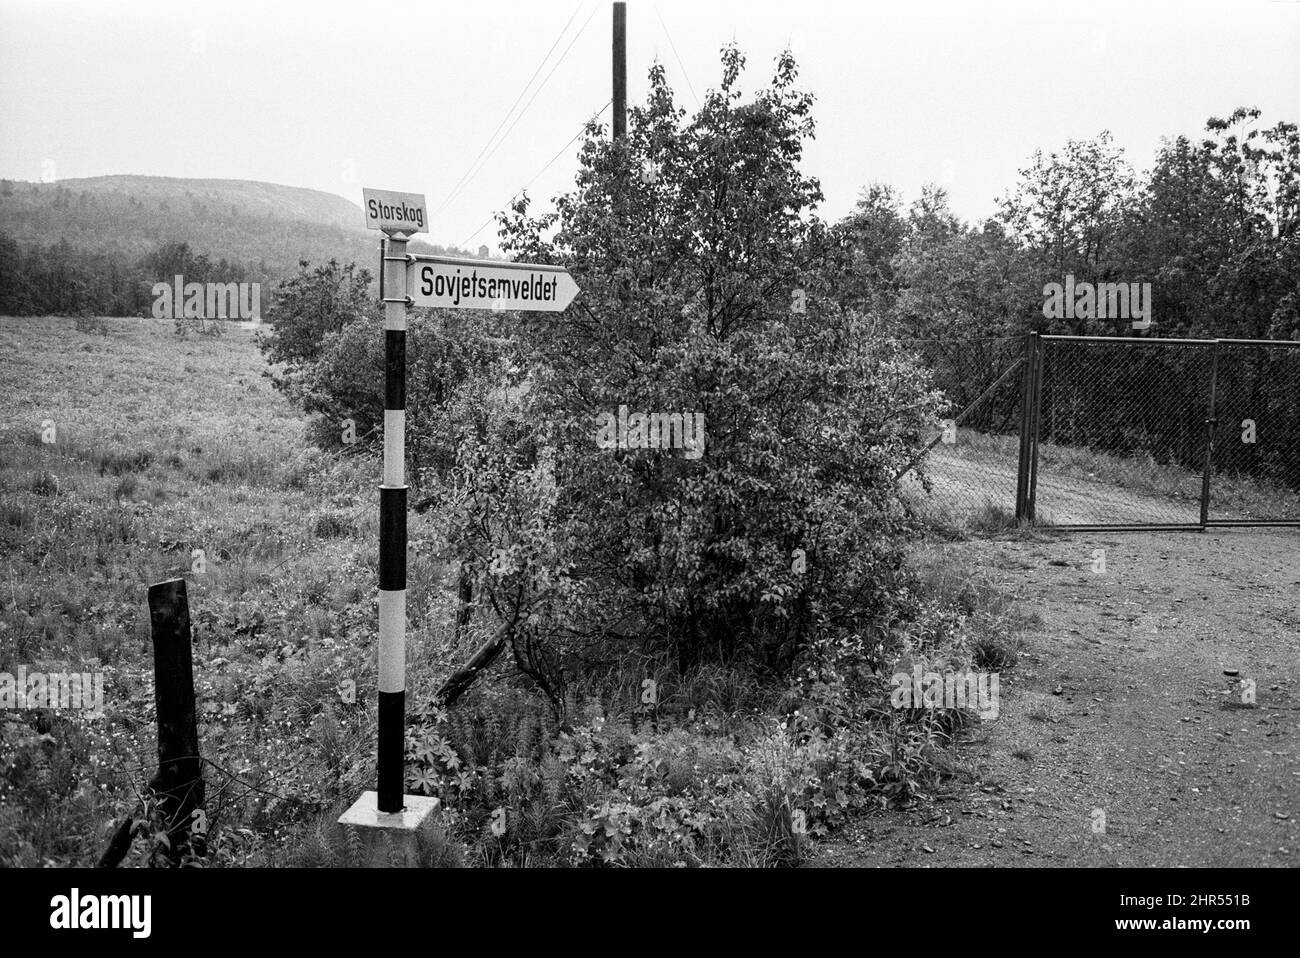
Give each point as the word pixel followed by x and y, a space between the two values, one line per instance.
pixel 1127 703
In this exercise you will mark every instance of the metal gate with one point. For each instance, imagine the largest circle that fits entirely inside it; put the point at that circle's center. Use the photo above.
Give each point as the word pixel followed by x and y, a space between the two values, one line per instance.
pixel 1169 434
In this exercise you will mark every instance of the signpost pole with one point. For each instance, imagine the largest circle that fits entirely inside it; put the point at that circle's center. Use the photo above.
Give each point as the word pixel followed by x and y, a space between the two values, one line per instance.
pixel 392 537
pixel 387 820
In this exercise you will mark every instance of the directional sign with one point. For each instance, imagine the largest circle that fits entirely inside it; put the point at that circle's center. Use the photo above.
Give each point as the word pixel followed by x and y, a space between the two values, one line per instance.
pixel 454 283
pixel 395 212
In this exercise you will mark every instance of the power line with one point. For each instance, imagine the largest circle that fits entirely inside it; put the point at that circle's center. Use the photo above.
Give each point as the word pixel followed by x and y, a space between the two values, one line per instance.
pixel 505 118
pixel 685 75
pixel 464 243
pixel 565 147
pixel 506 135
pixel 532 99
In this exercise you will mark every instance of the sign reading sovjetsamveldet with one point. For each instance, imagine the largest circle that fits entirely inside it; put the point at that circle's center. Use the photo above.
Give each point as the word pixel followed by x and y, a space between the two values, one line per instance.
pixel 454 283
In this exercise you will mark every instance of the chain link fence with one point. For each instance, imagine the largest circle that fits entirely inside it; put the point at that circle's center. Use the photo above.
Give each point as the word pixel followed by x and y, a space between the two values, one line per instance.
pixel 1111 433
pixel 1121 432
pixel 1255 465
pixel 966 477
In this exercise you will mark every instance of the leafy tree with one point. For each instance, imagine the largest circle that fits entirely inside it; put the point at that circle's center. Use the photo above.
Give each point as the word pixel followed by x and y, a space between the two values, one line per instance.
pixel 874 235
pixel 306 309
pixel 1215 228
pixel 1068 211
pixel 455 362
pixel 708 286
pixel 966 296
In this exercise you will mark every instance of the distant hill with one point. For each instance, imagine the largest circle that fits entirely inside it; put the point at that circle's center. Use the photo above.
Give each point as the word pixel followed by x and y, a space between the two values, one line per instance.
pixel 239 220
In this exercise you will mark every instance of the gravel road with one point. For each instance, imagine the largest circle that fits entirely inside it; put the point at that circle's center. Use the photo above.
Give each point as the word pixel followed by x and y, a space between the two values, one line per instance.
pixel 1127 703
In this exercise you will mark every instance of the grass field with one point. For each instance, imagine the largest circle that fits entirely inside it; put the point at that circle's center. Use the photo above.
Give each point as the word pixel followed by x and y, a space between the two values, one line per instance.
pixel 176 457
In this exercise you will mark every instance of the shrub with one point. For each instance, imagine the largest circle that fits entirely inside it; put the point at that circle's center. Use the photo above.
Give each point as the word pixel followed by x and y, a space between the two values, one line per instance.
pixel 306 310
pixel 45 484
pixel 115 462
pixel 789 521
pixel 126 487
pixel 331 525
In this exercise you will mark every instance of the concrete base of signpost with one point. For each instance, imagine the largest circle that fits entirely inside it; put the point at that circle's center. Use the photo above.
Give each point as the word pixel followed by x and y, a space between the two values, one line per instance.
pixel 389 839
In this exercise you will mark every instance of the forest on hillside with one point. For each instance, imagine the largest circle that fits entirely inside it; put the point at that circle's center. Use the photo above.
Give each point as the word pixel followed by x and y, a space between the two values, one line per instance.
pixel 60 279
pixel 93 246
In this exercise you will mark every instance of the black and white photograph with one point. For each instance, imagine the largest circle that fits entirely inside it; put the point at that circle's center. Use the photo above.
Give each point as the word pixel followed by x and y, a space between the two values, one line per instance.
pixel 446 441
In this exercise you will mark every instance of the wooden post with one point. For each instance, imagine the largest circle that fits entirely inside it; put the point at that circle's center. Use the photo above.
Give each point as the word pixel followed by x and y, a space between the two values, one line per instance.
pixel 620 71
pixel 179 782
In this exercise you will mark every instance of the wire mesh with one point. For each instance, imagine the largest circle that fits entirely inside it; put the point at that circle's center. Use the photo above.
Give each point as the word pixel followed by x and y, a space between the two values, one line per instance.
pixel 1121 431
pixel 1256 461
pixel 967 478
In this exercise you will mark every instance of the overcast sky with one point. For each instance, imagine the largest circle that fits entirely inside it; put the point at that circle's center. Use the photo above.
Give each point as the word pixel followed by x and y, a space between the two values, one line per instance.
pixel 404 96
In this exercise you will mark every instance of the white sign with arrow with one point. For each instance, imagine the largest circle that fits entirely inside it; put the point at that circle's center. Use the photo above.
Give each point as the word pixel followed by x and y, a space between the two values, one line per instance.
pixel 456 283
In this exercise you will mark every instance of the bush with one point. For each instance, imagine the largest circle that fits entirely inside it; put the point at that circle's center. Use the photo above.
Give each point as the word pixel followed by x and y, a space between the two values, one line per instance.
pixel 699 300
pixel 517 789
pixel 45 483
pixel 306 310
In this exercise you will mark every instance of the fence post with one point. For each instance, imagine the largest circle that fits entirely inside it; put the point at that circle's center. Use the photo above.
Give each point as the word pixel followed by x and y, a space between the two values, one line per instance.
pixel 1035 426
pixel 179 782
pixel 1210 422
pixel 1029 356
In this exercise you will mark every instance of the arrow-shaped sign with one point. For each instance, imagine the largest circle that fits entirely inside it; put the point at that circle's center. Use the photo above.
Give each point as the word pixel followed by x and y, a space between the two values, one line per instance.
pixel 455 283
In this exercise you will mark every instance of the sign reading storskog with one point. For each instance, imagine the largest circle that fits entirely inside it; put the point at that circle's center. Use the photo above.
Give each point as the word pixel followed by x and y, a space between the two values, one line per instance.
pixel 395 212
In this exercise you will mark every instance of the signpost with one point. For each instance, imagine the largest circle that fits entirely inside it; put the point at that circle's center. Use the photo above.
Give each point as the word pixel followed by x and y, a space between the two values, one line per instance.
pixel 421 281
pixel 398 215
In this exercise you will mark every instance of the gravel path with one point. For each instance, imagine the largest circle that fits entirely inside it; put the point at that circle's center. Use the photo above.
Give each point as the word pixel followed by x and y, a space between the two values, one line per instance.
pixel 960 486
pixel 1120 706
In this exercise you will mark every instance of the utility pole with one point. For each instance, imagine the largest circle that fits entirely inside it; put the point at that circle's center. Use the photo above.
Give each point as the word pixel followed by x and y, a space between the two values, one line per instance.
pixel 620 70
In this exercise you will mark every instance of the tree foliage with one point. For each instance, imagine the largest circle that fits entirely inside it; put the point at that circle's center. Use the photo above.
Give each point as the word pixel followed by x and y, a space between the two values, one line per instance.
pixel 307 310
pixel 692 241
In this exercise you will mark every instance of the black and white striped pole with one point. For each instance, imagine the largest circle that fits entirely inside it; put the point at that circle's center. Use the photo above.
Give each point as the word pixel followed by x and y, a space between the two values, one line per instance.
pixel 392 534
pixel 387 818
